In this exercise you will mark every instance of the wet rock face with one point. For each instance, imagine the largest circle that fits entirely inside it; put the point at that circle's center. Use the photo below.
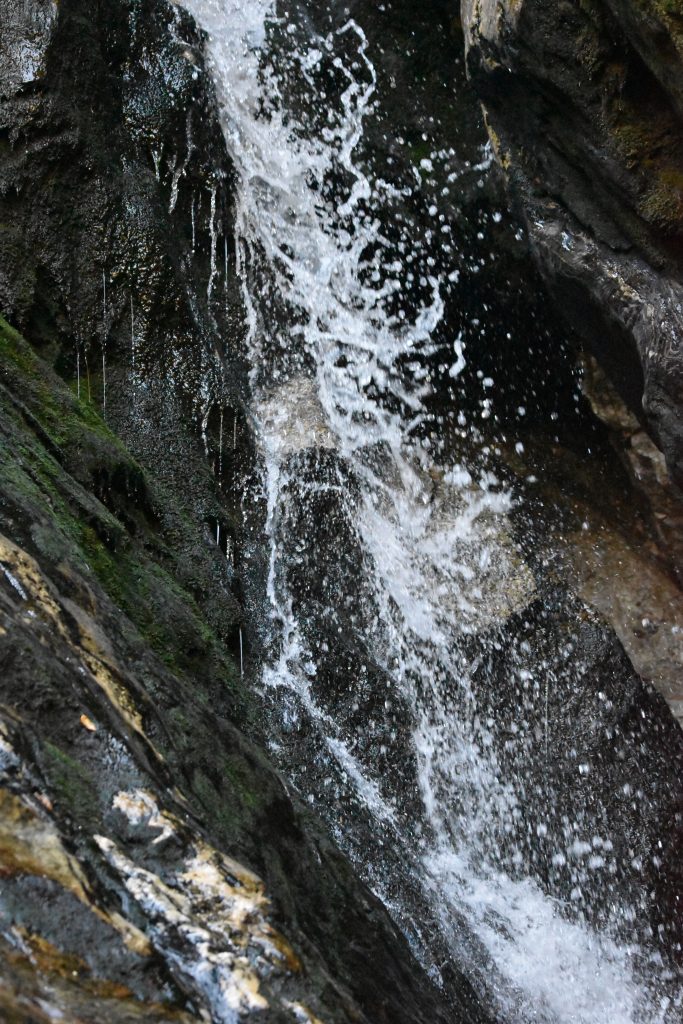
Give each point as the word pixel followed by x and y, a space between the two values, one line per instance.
pixel 595 759
pixel 135 807
pixel 583 107
pixel 115 197
pixel 25 35
pixel 134 810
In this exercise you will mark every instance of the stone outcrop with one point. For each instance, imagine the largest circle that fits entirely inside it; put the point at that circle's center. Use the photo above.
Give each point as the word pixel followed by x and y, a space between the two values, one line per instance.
pixel 583 105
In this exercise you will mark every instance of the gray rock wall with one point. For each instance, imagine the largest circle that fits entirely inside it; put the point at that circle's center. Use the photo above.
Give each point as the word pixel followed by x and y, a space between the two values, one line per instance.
pixel 583 107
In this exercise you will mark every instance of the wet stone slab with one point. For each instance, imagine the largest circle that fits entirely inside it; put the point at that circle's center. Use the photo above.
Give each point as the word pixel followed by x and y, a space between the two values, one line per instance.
pixel 26 29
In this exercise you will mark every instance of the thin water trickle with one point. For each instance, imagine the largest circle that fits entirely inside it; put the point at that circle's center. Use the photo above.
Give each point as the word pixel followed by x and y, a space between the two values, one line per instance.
pixel 220 448
pixel 388 555
pixel 213 233
pixel 132 335
pixel 104 345
pixel 225 262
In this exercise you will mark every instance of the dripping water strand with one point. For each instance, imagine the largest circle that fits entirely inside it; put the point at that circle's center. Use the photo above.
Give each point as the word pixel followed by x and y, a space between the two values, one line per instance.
pixel 225 257
pixel 213 234
pixel 104 345
pixel 220 449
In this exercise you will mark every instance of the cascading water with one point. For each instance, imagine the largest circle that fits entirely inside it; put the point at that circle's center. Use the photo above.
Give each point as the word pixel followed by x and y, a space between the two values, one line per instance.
pixel 391 555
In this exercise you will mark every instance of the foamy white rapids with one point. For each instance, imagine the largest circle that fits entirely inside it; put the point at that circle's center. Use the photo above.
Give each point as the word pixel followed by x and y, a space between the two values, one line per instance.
pixel 329 348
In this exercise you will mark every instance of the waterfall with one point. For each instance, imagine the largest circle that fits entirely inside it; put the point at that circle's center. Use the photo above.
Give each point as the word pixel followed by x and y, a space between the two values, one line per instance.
pixel 390 549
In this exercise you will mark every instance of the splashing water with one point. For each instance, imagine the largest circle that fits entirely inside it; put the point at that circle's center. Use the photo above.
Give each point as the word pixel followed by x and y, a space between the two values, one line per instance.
pixel 387 555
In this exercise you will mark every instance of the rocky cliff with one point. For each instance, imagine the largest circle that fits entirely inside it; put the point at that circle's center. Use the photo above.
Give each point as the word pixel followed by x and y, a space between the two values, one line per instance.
pixel 154 865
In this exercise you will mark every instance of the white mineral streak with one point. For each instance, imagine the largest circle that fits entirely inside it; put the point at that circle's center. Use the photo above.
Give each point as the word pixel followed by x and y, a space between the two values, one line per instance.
pixel 9 759
pixel 208 916
pixel 140 807
pixel 14 583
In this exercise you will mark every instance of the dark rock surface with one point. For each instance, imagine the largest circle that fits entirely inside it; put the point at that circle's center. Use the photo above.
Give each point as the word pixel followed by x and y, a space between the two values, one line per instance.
pixel 595 761
pixel 583 106
pixel 25 35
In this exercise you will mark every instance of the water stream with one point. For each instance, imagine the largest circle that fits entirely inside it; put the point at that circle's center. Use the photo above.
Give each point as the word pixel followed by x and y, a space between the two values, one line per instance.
pixel 392 564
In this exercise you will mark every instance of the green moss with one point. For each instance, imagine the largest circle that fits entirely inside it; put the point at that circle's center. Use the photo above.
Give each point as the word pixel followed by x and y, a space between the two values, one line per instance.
pixel 633 138
pixel 239 781
pixel 62 455
pixel 14 350
pixel 664 207
pixel 109 570
pixel 67 419
pixel 673 176
pixel 72 784
pixel 647 143
pixel 166 615
pixel 668 9
pixel 221 813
